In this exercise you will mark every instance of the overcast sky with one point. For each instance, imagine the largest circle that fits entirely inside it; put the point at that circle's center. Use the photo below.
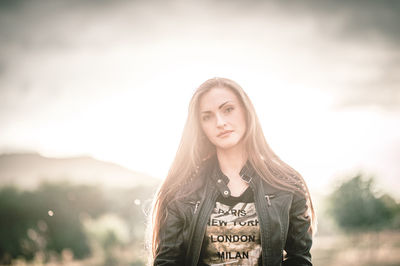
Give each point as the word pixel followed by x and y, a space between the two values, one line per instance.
pixel 112 79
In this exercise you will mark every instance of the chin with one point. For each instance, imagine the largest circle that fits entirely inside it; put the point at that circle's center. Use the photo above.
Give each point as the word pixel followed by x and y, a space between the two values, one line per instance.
pixel 226 145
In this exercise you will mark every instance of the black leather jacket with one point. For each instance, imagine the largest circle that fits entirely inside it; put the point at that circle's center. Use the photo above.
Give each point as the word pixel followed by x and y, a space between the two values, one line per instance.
pixel 283 217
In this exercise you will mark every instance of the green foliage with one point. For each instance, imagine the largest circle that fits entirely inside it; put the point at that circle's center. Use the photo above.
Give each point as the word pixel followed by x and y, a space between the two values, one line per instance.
pixel 18 216
pixel 354 206
pixel 54 218
pixel 47 219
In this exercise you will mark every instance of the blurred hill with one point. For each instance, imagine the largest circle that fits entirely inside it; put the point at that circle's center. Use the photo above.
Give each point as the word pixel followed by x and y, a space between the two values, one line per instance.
pixel 28 170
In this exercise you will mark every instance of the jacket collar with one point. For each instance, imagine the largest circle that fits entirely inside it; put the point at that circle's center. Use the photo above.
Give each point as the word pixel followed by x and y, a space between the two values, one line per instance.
pixel 247 173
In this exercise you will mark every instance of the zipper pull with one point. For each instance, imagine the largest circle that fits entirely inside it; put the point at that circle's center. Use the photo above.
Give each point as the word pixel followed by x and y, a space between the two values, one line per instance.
pixel 268 200
pixel 197 205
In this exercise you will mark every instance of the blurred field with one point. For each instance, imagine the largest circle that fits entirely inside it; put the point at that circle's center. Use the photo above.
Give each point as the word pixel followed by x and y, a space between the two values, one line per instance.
pixel 366 249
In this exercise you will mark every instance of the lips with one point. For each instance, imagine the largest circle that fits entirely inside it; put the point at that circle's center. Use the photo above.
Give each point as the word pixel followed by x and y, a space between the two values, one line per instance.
pixel 224 133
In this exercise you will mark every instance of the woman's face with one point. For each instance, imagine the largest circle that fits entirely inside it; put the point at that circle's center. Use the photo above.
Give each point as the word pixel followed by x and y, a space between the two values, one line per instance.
pixel 222 118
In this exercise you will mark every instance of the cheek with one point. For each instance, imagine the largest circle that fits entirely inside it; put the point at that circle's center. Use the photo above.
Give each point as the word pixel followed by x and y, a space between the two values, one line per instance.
pixel 206 130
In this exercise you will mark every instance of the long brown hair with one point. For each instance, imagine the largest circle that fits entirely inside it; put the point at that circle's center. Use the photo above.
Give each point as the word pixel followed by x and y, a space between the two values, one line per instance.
pixel 194 148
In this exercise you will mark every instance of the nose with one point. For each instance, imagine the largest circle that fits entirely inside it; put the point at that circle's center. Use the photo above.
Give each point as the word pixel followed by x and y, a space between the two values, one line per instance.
pixel 220 121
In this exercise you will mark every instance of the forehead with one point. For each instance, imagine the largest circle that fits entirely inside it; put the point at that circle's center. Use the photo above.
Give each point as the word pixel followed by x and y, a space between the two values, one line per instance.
pixel 215 97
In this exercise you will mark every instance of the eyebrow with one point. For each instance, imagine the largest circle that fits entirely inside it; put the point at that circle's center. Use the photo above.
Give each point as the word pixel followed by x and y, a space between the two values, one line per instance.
pixel 219 107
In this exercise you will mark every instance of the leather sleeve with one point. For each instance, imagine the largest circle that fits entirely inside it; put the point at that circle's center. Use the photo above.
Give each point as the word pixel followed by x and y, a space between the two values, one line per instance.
pixel 171 250
pixel 299 238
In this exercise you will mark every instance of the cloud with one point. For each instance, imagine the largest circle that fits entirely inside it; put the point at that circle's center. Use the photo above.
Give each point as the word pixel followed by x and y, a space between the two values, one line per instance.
pixel 364 20
pixel 366 23
pixel 50 28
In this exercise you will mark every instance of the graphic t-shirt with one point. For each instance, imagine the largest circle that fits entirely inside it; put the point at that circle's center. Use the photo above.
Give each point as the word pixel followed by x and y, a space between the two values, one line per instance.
pixel 233 232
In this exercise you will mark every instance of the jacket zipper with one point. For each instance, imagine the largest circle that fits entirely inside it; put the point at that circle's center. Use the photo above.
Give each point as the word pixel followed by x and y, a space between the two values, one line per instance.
pixel 202 221
pixel 195 207
pixel 264 230
pixel 268 197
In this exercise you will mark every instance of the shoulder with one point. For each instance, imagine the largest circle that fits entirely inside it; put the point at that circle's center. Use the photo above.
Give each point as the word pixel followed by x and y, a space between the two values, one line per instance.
pixel 194 185
pixel 292 187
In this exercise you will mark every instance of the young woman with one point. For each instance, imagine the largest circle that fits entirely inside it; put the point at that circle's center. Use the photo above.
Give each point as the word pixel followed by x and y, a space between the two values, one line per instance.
pixel 228 199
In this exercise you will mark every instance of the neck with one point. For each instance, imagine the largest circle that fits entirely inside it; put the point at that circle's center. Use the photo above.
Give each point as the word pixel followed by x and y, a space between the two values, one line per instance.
pixel 231 161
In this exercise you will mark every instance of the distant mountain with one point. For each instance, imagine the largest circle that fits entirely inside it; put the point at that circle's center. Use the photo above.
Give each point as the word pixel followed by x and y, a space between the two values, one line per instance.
pixel 30 169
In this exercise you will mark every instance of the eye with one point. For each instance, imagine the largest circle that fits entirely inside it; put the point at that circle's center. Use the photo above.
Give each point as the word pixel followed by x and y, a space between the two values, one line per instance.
pixel 205 117
pixel 229 109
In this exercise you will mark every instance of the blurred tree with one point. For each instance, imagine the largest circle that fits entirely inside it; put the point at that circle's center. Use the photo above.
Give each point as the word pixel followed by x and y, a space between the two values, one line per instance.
pixel 67 204
pixel 17 210
pixel 47 219
pixel 355 207
pixel 50 220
